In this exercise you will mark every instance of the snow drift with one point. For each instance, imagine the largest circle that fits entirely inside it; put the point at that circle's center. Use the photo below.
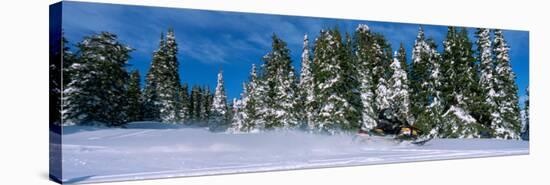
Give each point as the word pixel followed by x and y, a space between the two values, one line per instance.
pixel 155 150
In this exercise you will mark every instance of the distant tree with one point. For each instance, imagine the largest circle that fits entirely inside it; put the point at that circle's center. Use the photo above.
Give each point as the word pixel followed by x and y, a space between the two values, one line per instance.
pixel 195 104
pixel 237 118
pixel 217 118
pixel 133 97
pixel 525 130
pixel 207 99
pixel 183 103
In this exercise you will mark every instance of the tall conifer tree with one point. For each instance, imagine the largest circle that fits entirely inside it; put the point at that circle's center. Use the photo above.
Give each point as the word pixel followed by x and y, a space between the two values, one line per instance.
pixel 507 100
pixel 96 98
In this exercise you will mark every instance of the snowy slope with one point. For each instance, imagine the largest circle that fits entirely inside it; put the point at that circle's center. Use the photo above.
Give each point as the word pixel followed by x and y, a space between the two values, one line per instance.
pixel 147 150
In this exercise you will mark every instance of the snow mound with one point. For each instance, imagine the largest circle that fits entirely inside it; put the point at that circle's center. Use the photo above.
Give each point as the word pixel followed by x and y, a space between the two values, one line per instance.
pixel 460 114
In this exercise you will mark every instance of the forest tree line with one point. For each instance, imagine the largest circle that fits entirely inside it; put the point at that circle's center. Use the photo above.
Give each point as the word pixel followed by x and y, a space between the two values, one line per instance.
pixel 344 81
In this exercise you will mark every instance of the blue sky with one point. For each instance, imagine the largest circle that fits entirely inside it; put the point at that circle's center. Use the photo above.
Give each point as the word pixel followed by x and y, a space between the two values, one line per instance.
pixel 210 40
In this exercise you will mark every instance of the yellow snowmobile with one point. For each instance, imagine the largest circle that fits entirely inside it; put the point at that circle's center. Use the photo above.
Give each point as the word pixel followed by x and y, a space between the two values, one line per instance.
pixel 388 126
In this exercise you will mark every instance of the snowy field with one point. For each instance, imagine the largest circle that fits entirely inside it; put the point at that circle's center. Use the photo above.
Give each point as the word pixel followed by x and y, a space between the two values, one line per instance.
pixel 146 150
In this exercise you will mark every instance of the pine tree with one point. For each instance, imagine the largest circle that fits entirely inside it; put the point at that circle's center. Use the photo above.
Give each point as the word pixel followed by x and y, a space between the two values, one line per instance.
pixel 460 86
pixel 426 85
pixel 237 119
pixel 362 46
pixel 151 99
pixel 253 106
pixel 163 83
pixel 306 86
pixel 335 111
pixel 69 58
pixel 206 104
pixel 195 105
pixel 402 58
pixel 382 95
pixel 169 81
pixel 241 112
pixel 489 114
pixel 420 62
pixel 434 111
pixel 60 61
pixel 420 79
pixel 98 80
pixel 280 85
pixel 525 129
pixel 351 86
pixel 217 118
pixel 399 91
pixel 380 60
pixel 133 97
pixel 183 103
pixel 507 101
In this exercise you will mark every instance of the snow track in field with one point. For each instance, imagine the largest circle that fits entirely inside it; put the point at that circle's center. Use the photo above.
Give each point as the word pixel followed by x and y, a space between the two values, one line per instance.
pixel 147 150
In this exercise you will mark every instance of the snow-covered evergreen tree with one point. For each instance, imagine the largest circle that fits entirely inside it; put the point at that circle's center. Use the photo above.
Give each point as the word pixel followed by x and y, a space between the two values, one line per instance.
pixel 68 59
pixel 163 86
pixel 420 73
pixel 460 86
pixel 133 97
pixel 150 99
pixel 457 123
pixel 382 94
pixel 61 58
pixel 280 84
pixel 237 116
pixel 425 85
pixel 402 57
pixel 243 116
pixel 306 86
pixel 351 85
pixel 206 104
pixel 525 128
pixel 435 109
pixel 218 118
pixel 169 82
pixel 252 104
pixel 195 107
pixel 98 80
pixel 399 91
pixel 183 103
pixel 380 60
pixel 335 111
pixel 362 44
pixel 507 101
pixel 489 114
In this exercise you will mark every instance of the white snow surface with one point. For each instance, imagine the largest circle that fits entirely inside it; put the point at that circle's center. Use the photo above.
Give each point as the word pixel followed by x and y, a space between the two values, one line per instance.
pixel 154 150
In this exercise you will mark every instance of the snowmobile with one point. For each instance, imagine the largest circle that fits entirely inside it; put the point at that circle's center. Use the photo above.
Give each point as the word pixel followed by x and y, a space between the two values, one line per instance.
pixel 390 127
